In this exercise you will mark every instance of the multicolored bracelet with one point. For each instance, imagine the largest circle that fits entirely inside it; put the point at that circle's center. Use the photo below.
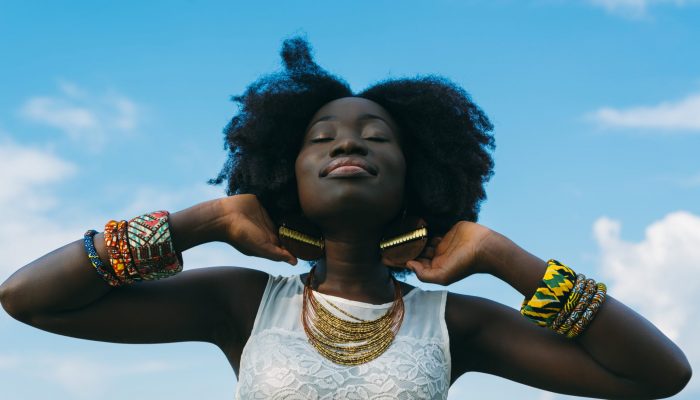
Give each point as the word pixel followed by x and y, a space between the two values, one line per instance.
pixel 152 247
pixel 581 306
pixel 551 294
pixel 564 301
pixel 89 240
pixel 589 313
pixel 571 302
pixel 116 258
pixel 139 249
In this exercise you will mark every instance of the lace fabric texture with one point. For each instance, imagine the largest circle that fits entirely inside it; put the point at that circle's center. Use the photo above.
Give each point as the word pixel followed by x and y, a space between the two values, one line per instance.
pixel 279 363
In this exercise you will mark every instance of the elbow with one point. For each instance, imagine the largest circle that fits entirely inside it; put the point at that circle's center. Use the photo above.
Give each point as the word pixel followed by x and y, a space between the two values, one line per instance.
pixel 681 380
pixel 675 381
pixel 7 299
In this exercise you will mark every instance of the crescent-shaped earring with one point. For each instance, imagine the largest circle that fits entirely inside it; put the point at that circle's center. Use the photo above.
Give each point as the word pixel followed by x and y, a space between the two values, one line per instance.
pixel 301 238
pixel 403 240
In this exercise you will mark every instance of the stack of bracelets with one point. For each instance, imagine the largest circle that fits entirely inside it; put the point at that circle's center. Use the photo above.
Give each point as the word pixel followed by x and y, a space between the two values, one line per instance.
pixel 140 249
pixel 564 301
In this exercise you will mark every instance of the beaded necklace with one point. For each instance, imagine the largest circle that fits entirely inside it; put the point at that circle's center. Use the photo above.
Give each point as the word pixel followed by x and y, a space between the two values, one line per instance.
pixel 349 342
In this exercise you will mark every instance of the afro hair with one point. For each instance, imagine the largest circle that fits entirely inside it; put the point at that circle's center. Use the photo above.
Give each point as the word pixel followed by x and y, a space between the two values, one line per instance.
pixel 446 138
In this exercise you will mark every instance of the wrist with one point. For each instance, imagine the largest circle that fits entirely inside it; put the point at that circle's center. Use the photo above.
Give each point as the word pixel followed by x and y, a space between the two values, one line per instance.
pixel 202 223
pixel 507 261
pixel 493 254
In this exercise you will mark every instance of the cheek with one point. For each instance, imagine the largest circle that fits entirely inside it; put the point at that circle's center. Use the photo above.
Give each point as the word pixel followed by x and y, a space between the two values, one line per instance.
pixel 303 168
pixel 397 166
pixel 304 171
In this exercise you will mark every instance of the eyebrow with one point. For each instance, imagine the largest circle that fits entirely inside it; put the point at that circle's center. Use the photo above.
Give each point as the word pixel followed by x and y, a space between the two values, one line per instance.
pixel 361 117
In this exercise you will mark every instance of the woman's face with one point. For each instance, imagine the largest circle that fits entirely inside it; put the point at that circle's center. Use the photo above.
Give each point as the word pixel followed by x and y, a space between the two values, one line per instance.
pixel 351 166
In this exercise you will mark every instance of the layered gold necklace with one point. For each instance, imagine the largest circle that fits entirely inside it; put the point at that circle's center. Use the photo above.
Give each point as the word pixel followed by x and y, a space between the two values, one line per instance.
pixel 349 342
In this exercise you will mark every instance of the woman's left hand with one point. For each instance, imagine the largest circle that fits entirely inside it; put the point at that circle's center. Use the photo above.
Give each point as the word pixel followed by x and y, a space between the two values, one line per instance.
pixel 455 256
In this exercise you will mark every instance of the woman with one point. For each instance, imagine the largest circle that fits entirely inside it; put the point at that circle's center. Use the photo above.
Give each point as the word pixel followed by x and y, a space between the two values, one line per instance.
pixel 367 187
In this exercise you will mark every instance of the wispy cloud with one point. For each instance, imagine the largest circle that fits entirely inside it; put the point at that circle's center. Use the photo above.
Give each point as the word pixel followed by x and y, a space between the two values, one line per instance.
pixel 27 178
pixel 680 115
pixel 28 200
pixel 24 170
pixel 689 181
pixel 82 376
pixel 85 377
pixel 8 361
pixel 546 396
pixel 635 9
pixel 82 115
pixel 660 275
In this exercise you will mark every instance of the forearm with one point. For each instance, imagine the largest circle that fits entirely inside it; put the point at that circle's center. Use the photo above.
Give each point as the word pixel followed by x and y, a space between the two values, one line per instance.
pixel 618 339
pixel 65 279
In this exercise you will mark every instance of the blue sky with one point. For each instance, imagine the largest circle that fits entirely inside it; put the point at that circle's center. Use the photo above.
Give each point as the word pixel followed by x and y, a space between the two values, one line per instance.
pixel 111 109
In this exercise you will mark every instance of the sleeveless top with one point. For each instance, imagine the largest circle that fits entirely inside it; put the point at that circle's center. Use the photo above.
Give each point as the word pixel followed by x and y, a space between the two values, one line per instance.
pixel 278 362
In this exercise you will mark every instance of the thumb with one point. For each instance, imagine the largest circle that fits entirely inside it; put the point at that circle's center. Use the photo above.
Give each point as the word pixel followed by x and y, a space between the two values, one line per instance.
pixel 287 256
pixel 420 268
pixel 277 253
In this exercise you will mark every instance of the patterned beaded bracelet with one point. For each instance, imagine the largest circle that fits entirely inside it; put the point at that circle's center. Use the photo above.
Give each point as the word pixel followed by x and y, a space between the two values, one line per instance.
pixel 589 313
pixel 125 252
pixel 116 259
pixel 551 294
pixel 581 306
pixel 89 240
pixel 571 302
pixel 154 255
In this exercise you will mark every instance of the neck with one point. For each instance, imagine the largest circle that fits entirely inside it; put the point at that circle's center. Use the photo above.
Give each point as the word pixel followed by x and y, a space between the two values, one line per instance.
pixel 352 268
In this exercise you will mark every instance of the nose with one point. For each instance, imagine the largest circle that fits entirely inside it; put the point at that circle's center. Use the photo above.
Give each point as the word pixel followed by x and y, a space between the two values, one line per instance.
pixel 350 143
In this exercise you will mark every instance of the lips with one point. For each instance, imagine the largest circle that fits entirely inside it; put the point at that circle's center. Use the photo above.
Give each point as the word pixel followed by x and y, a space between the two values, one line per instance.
pixel 348 162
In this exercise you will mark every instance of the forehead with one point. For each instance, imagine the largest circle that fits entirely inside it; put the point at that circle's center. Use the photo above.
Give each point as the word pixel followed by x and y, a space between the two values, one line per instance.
pixel 352 109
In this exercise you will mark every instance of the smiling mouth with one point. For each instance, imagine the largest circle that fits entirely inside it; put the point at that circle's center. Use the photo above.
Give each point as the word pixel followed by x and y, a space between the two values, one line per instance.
pixel 348 167
pixel 347 171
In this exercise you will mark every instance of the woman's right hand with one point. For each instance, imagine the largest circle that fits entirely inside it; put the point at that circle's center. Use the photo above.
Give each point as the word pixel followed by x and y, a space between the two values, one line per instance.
pixel 249 229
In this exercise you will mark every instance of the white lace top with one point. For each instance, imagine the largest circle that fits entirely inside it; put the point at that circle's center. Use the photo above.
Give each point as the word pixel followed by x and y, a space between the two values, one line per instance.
pixel 279 363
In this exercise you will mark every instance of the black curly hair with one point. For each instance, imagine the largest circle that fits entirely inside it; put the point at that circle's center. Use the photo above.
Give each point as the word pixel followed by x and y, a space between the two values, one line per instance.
pixel 446 138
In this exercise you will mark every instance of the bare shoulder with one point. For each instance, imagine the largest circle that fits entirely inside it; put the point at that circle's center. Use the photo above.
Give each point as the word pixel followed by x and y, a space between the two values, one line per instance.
pixel 240 290
pixel 465 316
pixel 464 313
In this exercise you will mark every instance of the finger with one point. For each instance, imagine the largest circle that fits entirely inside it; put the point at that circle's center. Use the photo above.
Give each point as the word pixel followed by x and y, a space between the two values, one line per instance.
pixel 277 253
pixel 422 268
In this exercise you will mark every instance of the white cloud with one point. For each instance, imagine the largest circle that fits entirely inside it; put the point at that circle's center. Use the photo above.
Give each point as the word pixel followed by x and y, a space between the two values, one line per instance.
pixel 24 169
pixel 683 114
pixel 660 275
pixel 635 8
pixel 26 177
pixel 82 376
pixel 692 181
pixel 8 362
pixel 688 181
pixel 81 115
pixel 28 202
pixel 85 378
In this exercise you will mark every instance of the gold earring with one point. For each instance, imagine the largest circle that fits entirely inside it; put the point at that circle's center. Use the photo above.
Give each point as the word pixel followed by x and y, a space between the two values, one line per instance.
pixel 301 238
pixel 404 240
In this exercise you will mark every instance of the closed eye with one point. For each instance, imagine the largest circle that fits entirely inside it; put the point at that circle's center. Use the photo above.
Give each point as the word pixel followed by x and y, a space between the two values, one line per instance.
pixel 326 139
